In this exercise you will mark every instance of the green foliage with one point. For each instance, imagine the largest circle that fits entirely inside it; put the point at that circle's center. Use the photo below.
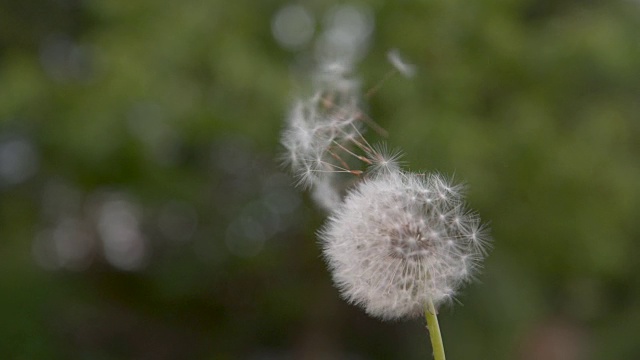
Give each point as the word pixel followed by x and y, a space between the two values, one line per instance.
pixel 174 109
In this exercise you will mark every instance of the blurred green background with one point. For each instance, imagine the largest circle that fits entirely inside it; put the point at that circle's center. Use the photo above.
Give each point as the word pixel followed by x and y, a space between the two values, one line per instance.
pixel 143 214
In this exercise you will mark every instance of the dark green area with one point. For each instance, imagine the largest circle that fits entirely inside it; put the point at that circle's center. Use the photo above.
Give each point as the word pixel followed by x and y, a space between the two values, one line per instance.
pixel 169 112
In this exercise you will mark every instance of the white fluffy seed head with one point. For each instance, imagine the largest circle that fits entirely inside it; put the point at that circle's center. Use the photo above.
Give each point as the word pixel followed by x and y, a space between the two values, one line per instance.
pixel 399 240
pixel 321 134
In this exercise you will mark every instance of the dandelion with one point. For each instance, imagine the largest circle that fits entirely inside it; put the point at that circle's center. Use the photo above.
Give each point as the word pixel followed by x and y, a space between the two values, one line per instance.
pixel 398 244
pixel 402 241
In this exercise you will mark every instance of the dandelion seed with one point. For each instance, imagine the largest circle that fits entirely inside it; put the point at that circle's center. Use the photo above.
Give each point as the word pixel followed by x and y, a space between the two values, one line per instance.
pixel 384 160
pixel 399 64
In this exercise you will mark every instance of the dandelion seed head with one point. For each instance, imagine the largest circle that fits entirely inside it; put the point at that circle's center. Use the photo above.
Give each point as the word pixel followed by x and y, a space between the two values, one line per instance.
pixel 391 250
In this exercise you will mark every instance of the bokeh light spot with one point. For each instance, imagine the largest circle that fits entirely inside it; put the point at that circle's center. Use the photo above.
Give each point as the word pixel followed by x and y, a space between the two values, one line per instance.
pixel 292 26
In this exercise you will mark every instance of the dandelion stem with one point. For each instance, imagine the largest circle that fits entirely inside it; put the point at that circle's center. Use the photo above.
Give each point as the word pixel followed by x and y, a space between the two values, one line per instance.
pixel 434 331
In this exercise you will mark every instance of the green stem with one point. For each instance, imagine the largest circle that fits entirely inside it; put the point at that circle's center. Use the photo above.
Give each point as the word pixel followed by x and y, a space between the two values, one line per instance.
pixel 434 331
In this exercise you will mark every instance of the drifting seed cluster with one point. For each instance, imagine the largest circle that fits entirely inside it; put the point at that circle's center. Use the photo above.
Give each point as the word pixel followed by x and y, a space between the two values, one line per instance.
pixel 324 139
